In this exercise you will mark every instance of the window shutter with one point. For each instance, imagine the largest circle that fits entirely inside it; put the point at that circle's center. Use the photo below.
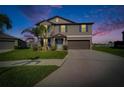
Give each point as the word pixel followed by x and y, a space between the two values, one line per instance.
pixel 80 28
pixel 48 28
pixel 59 28
pixel 66 28
pixel 87 28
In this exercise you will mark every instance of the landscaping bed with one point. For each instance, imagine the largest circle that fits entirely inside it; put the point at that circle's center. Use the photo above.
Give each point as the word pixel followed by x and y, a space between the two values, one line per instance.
pixel 21 54
pixel 24 76
pixel 115 51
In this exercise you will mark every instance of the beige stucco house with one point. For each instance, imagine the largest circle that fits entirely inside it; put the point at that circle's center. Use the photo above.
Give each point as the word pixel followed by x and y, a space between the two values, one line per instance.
pixel 7 42
pixel 62 31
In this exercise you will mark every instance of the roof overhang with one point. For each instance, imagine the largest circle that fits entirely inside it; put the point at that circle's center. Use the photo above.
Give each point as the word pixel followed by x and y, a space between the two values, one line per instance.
pixel 59 35
pixel 75 24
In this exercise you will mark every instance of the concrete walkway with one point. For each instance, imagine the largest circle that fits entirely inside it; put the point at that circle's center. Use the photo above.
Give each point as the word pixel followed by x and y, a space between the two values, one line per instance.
pixel 87 68
pixel 57 62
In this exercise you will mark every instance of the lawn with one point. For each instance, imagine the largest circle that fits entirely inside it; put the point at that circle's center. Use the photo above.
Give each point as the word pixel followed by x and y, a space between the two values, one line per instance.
pixel 119 52
pixel 24 76
pixel 20 54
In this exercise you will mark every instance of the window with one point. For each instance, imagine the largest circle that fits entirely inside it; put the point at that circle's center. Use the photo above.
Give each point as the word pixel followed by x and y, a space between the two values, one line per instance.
pixel 83 28
pixel 46 26
pixel 89 27
pixel 63 28
pixel 57 20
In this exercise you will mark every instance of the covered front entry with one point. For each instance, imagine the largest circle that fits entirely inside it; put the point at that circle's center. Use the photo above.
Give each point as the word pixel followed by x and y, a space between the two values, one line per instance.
pixel 79 44
pixel 59 43
pixel 59 40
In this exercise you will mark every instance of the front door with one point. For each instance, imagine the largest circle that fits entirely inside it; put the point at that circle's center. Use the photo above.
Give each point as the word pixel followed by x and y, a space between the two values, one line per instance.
pixel 59 43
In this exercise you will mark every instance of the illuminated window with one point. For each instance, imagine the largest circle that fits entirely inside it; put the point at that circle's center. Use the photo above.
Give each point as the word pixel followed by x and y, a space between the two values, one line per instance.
pixel 83 28
pixel 63 28
pixel 46 26
pixel 57 19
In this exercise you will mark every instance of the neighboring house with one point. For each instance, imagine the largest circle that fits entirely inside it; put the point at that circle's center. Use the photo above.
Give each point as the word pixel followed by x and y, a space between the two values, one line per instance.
pixel 110 44
pixel 62 31
pixel 21 44
pixel 120 44
pixel 7 42
pixel 100 45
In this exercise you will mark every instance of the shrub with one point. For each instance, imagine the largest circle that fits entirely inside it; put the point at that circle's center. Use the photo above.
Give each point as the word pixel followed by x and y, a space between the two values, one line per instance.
pixel 35 47
pixel 65 47
pixel 53 47
pixel 18 47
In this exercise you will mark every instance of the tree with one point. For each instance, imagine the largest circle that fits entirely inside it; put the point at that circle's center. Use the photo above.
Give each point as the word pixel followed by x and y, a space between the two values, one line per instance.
pixel 33 31
pixel 5 22
pixel 44 36
pixel 40 32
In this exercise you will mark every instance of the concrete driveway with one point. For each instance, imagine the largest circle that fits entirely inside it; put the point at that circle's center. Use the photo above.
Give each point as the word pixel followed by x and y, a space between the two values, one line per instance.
pixel 87 68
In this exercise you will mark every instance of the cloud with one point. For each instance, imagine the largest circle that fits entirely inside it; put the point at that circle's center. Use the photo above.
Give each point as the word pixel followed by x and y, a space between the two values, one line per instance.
pixel 35 13
pixel 101 33
pixel 112 18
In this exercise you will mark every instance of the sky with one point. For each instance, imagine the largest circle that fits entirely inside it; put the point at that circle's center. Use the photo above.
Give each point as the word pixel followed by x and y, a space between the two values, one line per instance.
pixel 108 20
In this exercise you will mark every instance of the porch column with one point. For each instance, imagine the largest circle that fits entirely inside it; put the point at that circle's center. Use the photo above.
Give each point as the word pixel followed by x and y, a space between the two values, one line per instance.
pixel 64 41
pixel 91 44
pixel 53 41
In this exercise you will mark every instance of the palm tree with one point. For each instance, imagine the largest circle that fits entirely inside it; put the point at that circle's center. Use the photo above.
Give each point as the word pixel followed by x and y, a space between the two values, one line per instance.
pixel 40 32
pixel 44 36
pixel 5 22
pixel 35 36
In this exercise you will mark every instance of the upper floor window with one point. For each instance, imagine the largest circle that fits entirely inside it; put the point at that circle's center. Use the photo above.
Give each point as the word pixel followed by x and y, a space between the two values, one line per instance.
pixel 63 28
pixel 57 20
pixel 46 26
pixel 84 28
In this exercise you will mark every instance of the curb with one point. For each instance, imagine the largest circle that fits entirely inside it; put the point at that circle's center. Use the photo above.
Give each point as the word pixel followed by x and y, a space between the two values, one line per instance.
pixel 64 60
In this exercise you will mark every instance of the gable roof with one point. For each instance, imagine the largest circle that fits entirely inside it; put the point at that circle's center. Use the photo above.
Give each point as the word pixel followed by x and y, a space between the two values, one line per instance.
pixel 5 37
pixel 72 22
pixel 60 18
pixel 44 21
pixel 48 20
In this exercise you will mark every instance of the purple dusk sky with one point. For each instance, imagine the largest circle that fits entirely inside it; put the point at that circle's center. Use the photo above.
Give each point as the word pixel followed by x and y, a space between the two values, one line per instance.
pixel 109 20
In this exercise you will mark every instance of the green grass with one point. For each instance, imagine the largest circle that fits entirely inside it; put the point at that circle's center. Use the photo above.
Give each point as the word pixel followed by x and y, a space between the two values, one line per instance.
pixel 20 54
pixel 119 52
pixel 24 76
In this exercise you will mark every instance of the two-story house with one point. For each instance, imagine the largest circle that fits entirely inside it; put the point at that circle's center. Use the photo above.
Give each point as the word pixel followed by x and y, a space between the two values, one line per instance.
pixel 66 32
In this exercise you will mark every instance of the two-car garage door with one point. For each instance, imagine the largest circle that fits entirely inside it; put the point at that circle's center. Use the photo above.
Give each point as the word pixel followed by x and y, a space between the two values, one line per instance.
pixel 78 44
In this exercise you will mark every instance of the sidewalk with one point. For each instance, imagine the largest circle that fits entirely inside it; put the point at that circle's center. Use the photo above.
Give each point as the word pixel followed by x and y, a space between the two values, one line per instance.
pixel 57 62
